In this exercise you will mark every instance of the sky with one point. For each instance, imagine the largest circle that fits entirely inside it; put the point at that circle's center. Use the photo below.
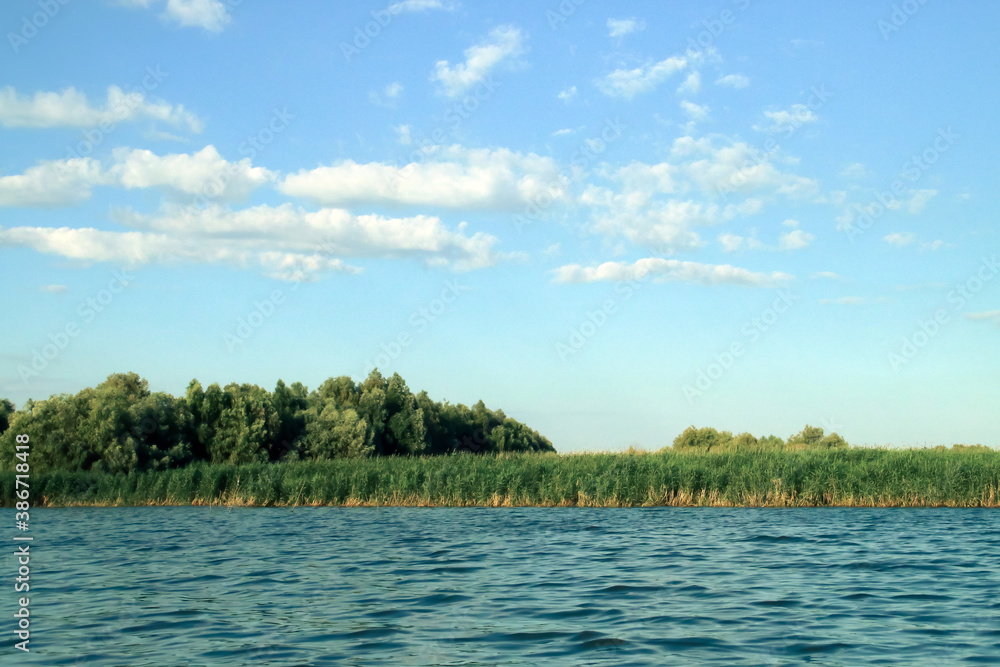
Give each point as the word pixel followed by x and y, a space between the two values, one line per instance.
pixel 611 220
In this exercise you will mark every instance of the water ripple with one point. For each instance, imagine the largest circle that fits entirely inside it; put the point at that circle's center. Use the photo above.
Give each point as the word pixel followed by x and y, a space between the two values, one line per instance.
pixel 525 586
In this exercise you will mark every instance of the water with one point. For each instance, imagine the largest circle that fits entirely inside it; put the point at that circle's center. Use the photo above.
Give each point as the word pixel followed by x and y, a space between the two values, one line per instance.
pixel 562 586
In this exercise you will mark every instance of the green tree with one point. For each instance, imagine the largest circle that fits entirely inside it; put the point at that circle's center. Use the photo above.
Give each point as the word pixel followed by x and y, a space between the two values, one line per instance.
pixel 289 404
pixel 703 439
pixel 336 433
pixel 744 441
pixel 246 426
pixel 832 441
pixel 6 413
pixel 808 437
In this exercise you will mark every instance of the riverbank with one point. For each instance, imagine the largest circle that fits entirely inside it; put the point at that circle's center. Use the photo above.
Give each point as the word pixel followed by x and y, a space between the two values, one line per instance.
pixel 856 477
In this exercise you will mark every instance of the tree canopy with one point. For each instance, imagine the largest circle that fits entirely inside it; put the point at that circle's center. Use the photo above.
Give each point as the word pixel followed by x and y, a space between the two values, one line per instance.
pixel 709 439
pixel 120 426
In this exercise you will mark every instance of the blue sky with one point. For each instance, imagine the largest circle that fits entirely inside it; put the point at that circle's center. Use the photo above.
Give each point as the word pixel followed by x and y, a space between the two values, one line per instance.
pixel 611 220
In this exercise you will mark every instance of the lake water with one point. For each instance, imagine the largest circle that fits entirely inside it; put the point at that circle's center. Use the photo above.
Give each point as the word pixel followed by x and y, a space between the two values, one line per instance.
pixel 531 586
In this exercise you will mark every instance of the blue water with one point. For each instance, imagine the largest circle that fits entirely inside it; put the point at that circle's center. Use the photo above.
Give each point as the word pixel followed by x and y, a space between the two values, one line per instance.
pixel 562 586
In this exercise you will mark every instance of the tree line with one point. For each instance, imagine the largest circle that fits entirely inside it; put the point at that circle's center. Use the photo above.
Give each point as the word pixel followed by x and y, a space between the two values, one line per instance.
pixel 121 426
pixel 709 439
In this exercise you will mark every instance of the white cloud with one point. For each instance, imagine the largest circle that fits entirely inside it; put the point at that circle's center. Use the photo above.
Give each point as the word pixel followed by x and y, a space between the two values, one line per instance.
pixel 622 27
pixel 899 239
pixel 138 248
pixel 212 15
pixel 919 199
pixel 502 43
pixel 829 275
pixel 562 132
pixel 795 240
pixel 52 183
pixel 737 167
pixel 734 81
pixel 388 95
pixel 696 112
pixel 419 6
pixel 984 316
pixel 790 223
pixel 788 120
pixel 691 85
pixel 53 289
pixel 205 173
pixel 567 94
pixel 933 245
pixel 627 83
pixel 664 270
pixel 662 205
pixel 69 108
pixel 66 182
pixel 734 242
pixel 284 242
pixel 855 170
pixel 456 177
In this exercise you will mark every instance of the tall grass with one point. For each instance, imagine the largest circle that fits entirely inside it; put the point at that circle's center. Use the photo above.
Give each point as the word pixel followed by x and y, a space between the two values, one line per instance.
pixel 837 477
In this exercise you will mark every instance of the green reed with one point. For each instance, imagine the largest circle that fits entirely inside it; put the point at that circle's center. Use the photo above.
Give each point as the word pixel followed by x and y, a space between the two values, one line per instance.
pixel 842 477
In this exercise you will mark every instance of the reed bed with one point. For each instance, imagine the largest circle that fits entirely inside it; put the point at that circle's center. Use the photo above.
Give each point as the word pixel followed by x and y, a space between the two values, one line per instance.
pixel 753 478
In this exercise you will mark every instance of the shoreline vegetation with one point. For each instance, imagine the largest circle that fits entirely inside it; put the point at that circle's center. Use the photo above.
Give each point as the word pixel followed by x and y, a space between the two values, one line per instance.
pixel 856 477
pixel 376 444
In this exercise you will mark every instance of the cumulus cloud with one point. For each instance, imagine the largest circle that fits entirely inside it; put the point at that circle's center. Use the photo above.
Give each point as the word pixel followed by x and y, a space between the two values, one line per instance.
pixel 502 43
pixel 567 94
pixel 627 83
pixel 419 6
pixel 736 167
pixel 663 205
pixel 691 85
pixel 664 270
pixel 733 242
pixel 733 81
pixel 696 112
pixel 205 173
pixel 622 27
pixel 52 183
pixel 918 200
pixel 70 108
pixel 282 241
pixel 795 240
pixel 788 120
pixel 855 170
pixel 456 177
pixel 899 239
pixel 388 95
pixel 212 15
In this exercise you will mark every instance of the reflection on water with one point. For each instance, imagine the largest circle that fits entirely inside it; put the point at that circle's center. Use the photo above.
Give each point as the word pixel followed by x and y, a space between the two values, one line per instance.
pixel 531 586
